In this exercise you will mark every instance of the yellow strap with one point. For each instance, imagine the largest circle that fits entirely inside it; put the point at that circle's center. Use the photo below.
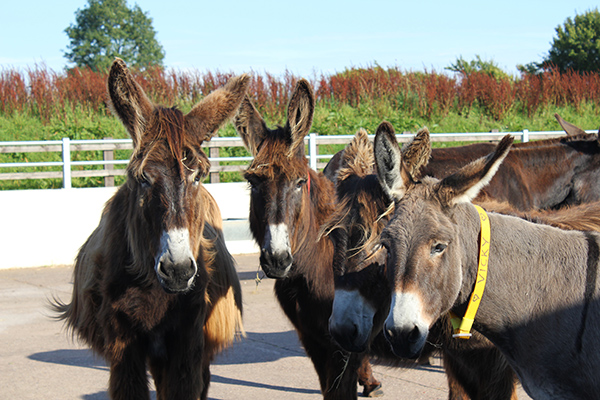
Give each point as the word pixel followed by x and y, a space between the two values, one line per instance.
pixel 462 328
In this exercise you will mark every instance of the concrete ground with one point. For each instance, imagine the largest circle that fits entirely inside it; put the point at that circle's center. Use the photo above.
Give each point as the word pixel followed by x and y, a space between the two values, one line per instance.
pixel 38 360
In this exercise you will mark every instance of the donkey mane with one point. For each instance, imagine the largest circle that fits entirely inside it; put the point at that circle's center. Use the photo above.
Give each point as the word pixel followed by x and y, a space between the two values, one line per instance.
pixel 358 157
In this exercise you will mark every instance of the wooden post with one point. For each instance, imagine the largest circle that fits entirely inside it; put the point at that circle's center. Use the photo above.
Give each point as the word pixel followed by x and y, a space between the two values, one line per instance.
pixel 214 153
pixel 109 155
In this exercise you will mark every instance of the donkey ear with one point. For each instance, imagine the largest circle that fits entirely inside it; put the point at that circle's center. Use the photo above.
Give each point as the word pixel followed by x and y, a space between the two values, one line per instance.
pixel 568 127
pixel 391 173
pixel 464 185
pixel 128 101
pixel 301 109
pixel 250 126
pixel 205 119
pixel 417 152
pixel 357 157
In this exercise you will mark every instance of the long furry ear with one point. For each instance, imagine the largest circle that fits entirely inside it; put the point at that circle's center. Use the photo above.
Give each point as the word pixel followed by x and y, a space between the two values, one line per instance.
pixel 128 101
pixel 205 119
pixel 417 152
pixel 466 183
pixel 301 109
pixel 357 158
pixel 250 126
pixel 568 127
pixel 393 176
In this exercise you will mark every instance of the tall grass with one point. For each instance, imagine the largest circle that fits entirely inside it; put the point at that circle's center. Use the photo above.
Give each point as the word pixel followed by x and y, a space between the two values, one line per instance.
pixel 46 94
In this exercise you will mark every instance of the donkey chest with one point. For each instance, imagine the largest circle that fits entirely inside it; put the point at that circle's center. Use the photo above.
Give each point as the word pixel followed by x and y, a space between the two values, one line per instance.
pixel 148 310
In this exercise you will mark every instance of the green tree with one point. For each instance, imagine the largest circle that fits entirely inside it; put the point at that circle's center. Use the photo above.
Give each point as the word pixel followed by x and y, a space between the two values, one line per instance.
pixel 478 65
pixel 106 29
pixel 577 44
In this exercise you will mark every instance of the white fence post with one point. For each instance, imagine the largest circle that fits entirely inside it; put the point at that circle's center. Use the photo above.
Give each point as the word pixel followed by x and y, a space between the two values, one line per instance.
pixel 525 136
pixel 312 150
pixel 66 155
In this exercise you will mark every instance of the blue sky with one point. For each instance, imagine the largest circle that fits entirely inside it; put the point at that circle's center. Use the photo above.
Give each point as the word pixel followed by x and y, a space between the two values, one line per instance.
pixel 308 37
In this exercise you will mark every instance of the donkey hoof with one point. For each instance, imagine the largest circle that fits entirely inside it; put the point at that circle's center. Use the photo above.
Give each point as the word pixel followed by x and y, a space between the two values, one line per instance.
pixel 373 391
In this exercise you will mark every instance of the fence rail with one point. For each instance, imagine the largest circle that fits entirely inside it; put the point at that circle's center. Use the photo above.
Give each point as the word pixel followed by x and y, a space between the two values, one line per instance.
pixel 108 146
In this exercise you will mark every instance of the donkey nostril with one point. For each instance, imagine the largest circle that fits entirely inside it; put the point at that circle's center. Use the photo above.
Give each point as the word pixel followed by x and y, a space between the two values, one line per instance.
pixel 160 270
pixel 414 335
pixel 192 269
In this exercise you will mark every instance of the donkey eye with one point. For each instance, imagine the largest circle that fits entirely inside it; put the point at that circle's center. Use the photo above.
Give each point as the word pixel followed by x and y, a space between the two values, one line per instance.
pixel 300 183
pixel 144 180
pixel 254 183
pixel 197 178
pixel 438 248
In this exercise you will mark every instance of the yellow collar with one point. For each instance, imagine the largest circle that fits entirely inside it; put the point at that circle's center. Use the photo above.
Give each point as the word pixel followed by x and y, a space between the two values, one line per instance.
pixel 462 328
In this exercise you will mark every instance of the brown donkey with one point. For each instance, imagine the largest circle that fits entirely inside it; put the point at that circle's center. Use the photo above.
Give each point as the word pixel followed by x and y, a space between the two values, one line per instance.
pixel 540 304
pixel 288 204
pixel 362 295
pixel 154 284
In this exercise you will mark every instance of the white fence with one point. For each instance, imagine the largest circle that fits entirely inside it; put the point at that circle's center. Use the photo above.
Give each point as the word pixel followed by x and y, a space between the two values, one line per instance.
pixel 66 147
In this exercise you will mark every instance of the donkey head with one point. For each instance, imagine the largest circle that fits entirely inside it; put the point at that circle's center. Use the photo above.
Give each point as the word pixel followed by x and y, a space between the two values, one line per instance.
pixel 362 295
pixel 166 199
pixel 279 178
pixel 422 239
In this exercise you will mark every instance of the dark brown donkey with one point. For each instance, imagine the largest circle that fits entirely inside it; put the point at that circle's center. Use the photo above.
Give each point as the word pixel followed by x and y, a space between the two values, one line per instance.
pixel 288 204
pixel 540 304
pixel 362 295
pixel 154 283
pixel 536 175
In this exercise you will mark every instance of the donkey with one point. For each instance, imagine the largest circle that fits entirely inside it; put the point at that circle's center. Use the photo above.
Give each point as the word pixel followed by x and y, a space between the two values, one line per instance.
pixel 288 204
pixel 540 305
pixel 154 284
pixel 541 174
pixel 536 175
pixel 362 295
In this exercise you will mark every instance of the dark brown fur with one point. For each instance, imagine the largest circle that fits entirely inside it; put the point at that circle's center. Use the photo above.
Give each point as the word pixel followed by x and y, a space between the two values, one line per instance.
pixel 535 175
pixel 131 303
pixel 284 190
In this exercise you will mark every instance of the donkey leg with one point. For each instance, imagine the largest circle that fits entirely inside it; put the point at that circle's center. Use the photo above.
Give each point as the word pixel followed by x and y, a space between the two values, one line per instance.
pixel 206 378
pixel 456 381
pixel 180 375
pixel 128 378
pixel 499 381
pixel 337 370
pixel 479 371
pixel 372 387
pixel 342 374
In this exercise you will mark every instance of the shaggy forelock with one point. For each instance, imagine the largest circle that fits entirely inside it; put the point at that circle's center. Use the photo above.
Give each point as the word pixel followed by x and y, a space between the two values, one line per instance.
pixel 272 161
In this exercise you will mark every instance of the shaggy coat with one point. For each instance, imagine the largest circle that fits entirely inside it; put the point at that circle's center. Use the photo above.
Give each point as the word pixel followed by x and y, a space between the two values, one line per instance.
pixel 154 285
